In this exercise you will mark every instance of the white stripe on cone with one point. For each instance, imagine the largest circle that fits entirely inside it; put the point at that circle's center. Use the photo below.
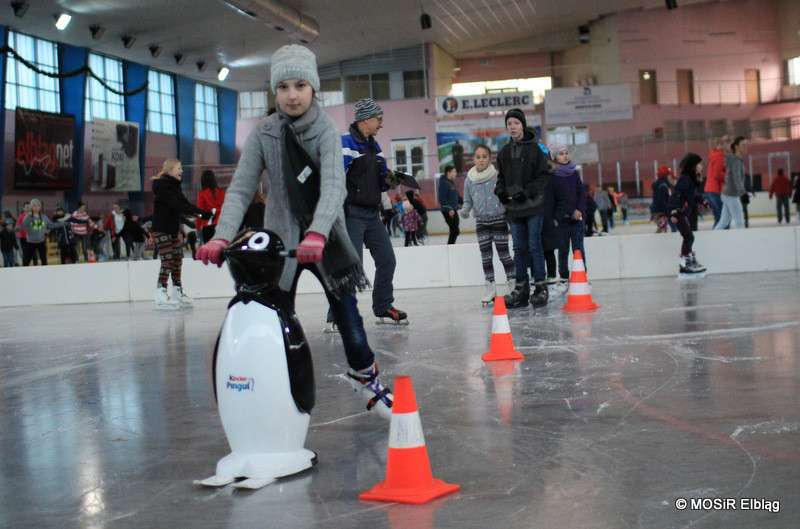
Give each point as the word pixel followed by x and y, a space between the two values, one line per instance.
pixel 405 431
pixel 579 289
pixel 577 265
pixel 500 324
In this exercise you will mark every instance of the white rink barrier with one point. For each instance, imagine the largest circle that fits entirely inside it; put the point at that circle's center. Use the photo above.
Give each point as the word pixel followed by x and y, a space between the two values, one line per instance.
pixel 612 257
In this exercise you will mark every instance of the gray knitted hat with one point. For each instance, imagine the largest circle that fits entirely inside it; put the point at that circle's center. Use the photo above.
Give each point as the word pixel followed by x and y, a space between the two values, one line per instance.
pixel 556 148
pixel 367 108
pixel 294 62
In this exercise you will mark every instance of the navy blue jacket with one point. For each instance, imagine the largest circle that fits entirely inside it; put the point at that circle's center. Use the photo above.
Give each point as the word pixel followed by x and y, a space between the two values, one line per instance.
pixel 365 169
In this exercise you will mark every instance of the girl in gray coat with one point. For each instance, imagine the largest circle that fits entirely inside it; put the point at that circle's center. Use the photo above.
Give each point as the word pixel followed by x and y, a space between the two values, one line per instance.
pixel 300 140
pixel 490 214
pixel 734 186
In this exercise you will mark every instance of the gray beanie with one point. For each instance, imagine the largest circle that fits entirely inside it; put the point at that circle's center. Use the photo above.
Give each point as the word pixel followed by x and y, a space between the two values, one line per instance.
pixel 555 148
pixel 367 108
pixel 294 62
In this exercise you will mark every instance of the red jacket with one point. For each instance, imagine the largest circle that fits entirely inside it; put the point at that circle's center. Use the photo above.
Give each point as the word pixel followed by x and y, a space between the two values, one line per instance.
pixel 716 171
pixel 208 202
pixel 780 187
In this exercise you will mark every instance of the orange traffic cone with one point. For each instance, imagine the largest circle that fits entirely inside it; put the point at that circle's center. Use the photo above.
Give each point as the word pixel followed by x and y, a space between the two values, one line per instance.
pixel 408 471
pixel 502 345
pixel 579 295
pixel 91 257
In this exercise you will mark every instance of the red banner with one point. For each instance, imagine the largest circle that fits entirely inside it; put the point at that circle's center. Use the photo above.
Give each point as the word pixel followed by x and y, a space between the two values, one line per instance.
pixel 43 150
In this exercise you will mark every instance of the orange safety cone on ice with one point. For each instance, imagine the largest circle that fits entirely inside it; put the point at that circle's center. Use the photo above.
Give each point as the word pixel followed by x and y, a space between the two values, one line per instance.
pixel 579 295
pixel 501 346
pixel 408 470
pixel 91 257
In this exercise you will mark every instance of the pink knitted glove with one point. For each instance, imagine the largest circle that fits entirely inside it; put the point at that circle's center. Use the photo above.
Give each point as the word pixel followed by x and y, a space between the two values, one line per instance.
pixel 310 250
pixel 211 252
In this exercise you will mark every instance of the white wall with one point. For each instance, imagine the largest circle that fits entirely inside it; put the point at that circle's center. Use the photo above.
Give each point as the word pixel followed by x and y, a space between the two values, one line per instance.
pixel 614 257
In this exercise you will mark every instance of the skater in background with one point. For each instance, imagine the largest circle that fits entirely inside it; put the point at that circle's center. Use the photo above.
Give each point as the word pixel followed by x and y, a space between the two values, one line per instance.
pixel 659 207
pixel 555 210
pixel 8 243
pixel 37 225
pixel 522 173
pixel 299 133
pixel 411 222
pixel 571 224
pixel 254 216
pixel 716 175
pixel 684 196
pixel 612 208
pixel 734 187
pixel 134 232
pixel 796 195
pixel 782 189
pixel 590 221
pixel 67 243
pixel 450 202
pixel 168 206
pixel 210 198
pixel 490 220
pixel 603 203
pixel 422 232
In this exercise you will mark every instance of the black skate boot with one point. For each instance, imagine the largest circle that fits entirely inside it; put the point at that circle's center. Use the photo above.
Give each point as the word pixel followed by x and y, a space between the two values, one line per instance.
pixel 518 297
pixel 540 295
pixel 392 316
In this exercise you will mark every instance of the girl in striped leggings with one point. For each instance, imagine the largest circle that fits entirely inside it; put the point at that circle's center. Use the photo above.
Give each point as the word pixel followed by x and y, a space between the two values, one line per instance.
pixel 490 224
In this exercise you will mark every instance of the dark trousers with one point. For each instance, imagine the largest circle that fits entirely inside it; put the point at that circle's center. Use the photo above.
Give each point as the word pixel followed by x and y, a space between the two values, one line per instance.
pixel 686 232
pixel 35 251
pixel 452 223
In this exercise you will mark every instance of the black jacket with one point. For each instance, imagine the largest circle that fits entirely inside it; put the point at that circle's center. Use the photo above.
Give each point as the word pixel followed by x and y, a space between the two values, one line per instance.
pixel 555 209
pixel 660 197
pixel 169 204
pixel 684 196
pixel 365 171
pixel 522 166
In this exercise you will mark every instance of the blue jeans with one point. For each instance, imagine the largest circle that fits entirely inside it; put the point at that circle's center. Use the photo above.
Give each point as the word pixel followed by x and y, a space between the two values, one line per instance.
pixel 348 320
pixel 716 205
pixel 571 232
pixel 365 227
pixel 527 235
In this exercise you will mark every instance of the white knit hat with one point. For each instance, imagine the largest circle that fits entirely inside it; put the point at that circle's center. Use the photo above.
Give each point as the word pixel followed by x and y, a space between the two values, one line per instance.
pixel 294 62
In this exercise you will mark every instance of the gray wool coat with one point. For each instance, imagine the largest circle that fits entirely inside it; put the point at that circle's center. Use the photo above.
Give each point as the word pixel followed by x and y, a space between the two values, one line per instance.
pixel 317 132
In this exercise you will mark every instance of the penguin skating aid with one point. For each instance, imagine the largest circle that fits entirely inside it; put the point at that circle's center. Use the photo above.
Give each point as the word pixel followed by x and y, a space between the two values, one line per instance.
pixel 263 373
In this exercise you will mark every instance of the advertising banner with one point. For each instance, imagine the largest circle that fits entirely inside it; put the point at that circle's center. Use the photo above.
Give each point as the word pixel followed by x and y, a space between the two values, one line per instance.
pixel 456 139
pixel 483 103
pixel 583 104
pixel 43 150
pixel 115 156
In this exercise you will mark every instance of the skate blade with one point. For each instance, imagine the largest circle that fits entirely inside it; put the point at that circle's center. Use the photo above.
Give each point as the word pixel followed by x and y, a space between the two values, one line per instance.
pixel 691 275
pixel 380 321
pixel 328 330
pixel 253 483
pixel 214 481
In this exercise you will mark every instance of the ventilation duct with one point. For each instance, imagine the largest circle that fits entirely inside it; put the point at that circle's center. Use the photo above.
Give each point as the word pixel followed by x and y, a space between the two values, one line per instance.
pixel 280 16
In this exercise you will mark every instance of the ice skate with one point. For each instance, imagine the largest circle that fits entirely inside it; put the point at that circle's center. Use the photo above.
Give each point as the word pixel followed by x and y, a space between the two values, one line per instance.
pixel 540 295
pixel 690 269
pixel 366 383
pixel 695 265
pixel 392 316
pixel 558 291
pixel 491 293
pixel 163 301
pixel 330 328
pixel 182 299
pixel 518 297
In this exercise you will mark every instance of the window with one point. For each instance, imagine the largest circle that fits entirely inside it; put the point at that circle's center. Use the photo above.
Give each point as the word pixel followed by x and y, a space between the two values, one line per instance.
pixel 409 157
pixel 330 92
pixel 568 135
pixel 161 103
pixel 100 102
pixel 356 87
pixel 253 104
pixel 206 114
pixel 537 85
pixel 414 84
pixel 793 68
pixel 25 87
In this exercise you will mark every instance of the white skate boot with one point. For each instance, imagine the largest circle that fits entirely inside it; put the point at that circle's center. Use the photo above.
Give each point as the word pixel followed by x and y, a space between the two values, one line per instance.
pixel 491 293
pixel 180 297
pixel 163 301
pixel 365 382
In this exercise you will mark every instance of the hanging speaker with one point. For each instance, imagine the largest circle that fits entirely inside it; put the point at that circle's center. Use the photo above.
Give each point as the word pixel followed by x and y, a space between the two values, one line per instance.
pixel 425 21
pixel 672 4
pixel 583 34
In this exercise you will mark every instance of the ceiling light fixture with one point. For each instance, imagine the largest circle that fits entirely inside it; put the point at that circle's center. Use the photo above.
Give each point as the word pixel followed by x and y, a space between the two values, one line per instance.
pixel 20 8
pixel 180 58
pixel 128 41
pixel 155 50
pixel 97 31
pixel 62 20
pixel 222 73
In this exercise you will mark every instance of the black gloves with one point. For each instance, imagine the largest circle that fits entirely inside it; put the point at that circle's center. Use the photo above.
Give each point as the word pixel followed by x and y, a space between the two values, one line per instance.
pixel 503 196
pixel 520 197
pixel 206 215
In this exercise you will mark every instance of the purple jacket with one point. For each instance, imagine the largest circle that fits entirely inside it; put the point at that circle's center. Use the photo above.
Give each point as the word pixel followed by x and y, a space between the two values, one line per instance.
pixel 573 187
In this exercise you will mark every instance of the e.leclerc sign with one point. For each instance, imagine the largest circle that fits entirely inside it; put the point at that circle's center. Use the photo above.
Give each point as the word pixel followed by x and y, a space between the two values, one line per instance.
pixel 476 104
